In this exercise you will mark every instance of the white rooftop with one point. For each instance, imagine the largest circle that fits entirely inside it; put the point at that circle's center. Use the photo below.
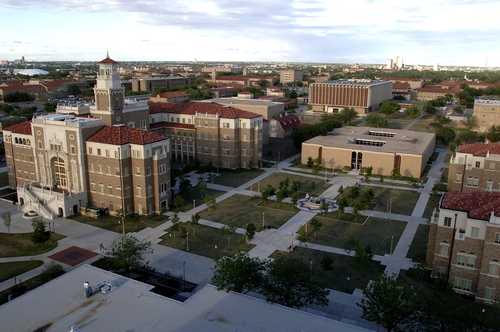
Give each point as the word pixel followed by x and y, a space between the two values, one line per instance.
pixel 130 306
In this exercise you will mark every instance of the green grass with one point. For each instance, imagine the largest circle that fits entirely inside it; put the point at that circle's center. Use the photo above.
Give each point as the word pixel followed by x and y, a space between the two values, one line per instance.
pixel 235 178
pixel 239 210
pixel 431 205
pixel 399 201
pixel 196 195
pixel 51 273
pixel 12 269
pixel 205 241
pixel 346 274
pixel 423 124
pixel 309 185
pixel 418 246
pixel 376 233
pixel 16 245
pixel 132 223
pixel 4 179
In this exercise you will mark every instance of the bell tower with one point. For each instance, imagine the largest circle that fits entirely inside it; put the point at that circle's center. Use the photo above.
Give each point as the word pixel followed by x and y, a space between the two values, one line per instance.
pixel 108 92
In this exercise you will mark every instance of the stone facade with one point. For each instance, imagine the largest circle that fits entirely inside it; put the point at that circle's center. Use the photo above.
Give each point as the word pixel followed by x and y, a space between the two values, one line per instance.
pixel 487 112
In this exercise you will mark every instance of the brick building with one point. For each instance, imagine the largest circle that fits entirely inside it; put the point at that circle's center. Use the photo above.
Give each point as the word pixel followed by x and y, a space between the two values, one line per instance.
pixel 210 133
pixel 464 243
pixel 475 167
pixel 363 96
pixel 487 112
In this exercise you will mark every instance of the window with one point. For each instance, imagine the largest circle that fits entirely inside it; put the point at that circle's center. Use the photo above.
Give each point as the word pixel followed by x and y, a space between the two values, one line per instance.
pixel 493 267
pixel 474 232
pixel 101 187
pixel 138 170
pixel 110 189
pixel 59 172
pixel 98 152
pixel 462 283
pixel 466 260
pixel 489 185
pixel 443 249
pixel 90 150
pixel 447 221
pixel 107 153
pixel 458 177
pixel 359 141
pixel 497 238
pixel 380 133
pixel 478 164
pixel 489 293
pixel 225 125
pixel 472 181
pixel 73 150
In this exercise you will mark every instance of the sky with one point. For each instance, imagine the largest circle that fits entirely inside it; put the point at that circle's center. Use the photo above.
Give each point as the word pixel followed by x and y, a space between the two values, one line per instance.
pixel 445 32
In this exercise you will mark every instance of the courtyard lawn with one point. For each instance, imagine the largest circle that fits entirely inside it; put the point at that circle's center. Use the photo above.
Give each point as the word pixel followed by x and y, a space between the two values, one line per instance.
pixel 346 274
pixel 16 245
pixel 12 269
pixel 235 178
pixel 393 200
pixel 132 223
pixel 379 234
pixel 431 205
pixel 310 185
pixel 239 210
pixel 196 195
pixel 423 124
pixel 418 246
pixel 204 240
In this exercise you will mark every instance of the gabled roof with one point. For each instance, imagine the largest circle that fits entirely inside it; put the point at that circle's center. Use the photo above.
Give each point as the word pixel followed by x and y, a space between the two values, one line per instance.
pixel 479 149
pixel 107 61
pixel 289 121
pixel 20 128
pixel 478 205
pixel 120 134
pixel 192 108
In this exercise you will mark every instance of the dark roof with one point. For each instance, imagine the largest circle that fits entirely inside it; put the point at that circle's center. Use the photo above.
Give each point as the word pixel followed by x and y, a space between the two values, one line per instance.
pixel 191 108
pixel 120 134
pixel 479 149
pixel 478 205
pixel 20 128
pixel 289 121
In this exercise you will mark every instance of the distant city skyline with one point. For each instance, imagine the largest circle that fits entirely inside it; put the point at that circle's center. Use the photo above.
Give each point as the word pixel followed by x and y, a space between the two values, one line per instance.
pixel 444 32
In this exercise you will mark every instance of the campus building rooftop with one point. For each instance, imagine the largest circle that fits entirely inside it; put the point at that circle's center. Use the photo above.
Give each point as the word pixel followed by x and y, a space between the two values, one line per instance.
pixel 357 82
pixel 376 139
pixel 131 306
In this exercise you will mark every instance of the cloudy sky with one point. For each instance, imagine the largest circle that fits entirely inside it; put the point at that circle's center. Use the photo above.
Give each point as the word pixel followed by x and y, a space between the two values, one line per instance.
pixel 448 32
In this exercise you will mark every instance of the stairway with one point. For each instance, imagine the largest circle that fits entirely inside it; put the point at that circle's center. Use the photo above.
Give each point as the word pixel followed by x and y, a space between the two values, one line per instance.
pixel 41 207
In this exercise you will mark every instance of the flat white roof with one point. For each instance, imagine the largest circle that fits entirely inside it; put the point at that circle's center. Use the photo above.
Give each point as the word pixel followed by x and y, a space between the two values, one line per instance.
pixel 130 306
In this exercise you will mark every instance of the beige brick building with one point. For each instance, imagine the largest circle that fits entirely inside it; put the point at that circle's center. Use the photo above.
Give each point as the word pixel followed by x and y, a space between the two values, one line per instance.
pixel 211 133
pixel 153 84
pixel 60 163
pixel 362 95
pixel 291 75
pixel 385 150
pixel 475 167
pixel 464 243
pixel 487 112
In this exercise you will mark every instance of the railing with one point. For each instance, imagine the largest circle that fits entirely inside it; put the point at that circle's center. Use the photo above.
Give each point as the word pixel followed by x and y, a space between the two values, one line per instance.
pixel 40 203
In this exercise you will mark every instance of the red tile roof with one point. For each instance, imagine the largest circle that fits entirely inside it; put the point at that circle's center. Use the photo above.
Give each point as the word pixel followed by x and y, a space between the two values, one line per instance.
pixel 478 205
pixel 165 124
pixel 119 135
pixel 398 85
pixel 192 108
pixel 20 128
pixel 108 61
pixel 479 149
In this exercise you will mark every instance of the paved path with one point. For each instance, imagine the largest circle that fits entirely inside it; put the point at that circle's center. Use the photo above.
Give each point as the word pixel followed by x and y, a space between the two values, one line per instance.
pixel 389 186
pixel 393 216
pixel 219 187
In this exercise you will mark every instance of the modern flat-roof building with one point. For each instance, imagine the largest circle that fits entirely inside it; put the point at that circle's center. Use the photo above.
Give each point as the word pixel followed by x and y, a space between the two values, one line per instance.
pixel 268 109
pixel 291 75
pixel 153 84
pixel 385 150
pixel 475 167
pixel 362 95
pixel 487 112
pixel 464 243
pixel 131 305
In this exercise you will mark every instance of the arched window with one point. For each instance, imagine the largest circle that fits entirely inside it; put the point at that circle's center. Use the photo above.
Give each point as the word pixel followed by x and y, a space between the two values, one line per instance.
pixel 59 173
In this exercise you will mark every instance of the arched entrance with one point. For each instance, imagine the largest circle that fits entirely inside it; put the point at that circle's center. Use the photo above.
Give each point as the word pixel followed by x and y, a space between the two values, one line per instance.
pixel 75 209
pixel 21 201
pixel 60 212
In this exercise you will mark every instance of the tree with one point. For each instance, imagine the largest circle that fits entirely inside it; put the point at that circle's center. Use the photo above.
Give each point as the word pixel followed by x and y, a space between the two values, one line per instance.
pixel 387 302
pixel 73 89
pixel 40 233
pixel 17 96
pixel 6 216
pixel 175 219
pixel 195 218
pixel 324 206
pixel 295 197
pixel 289 281
pixel 179 201
pixel 239 273
pixel 376 120
pixel 128 252
pixel 389 107
pixel 493 134
pixel 49 107
pixel 280 195
pixel 348 115
pixel 268 191
pixel 250 231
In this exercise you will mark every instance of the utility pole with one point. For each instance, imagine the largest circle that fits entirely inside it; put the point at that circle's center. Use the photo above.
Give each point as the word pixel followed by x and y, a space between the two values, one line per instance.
pixel 263 221
pixel 187 241
pixel 194 203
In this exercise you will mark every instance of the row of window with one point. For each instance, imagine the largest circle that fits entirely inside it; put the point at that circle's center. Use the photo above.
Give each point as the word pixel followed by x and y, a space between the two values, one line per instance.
pixel 22 141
